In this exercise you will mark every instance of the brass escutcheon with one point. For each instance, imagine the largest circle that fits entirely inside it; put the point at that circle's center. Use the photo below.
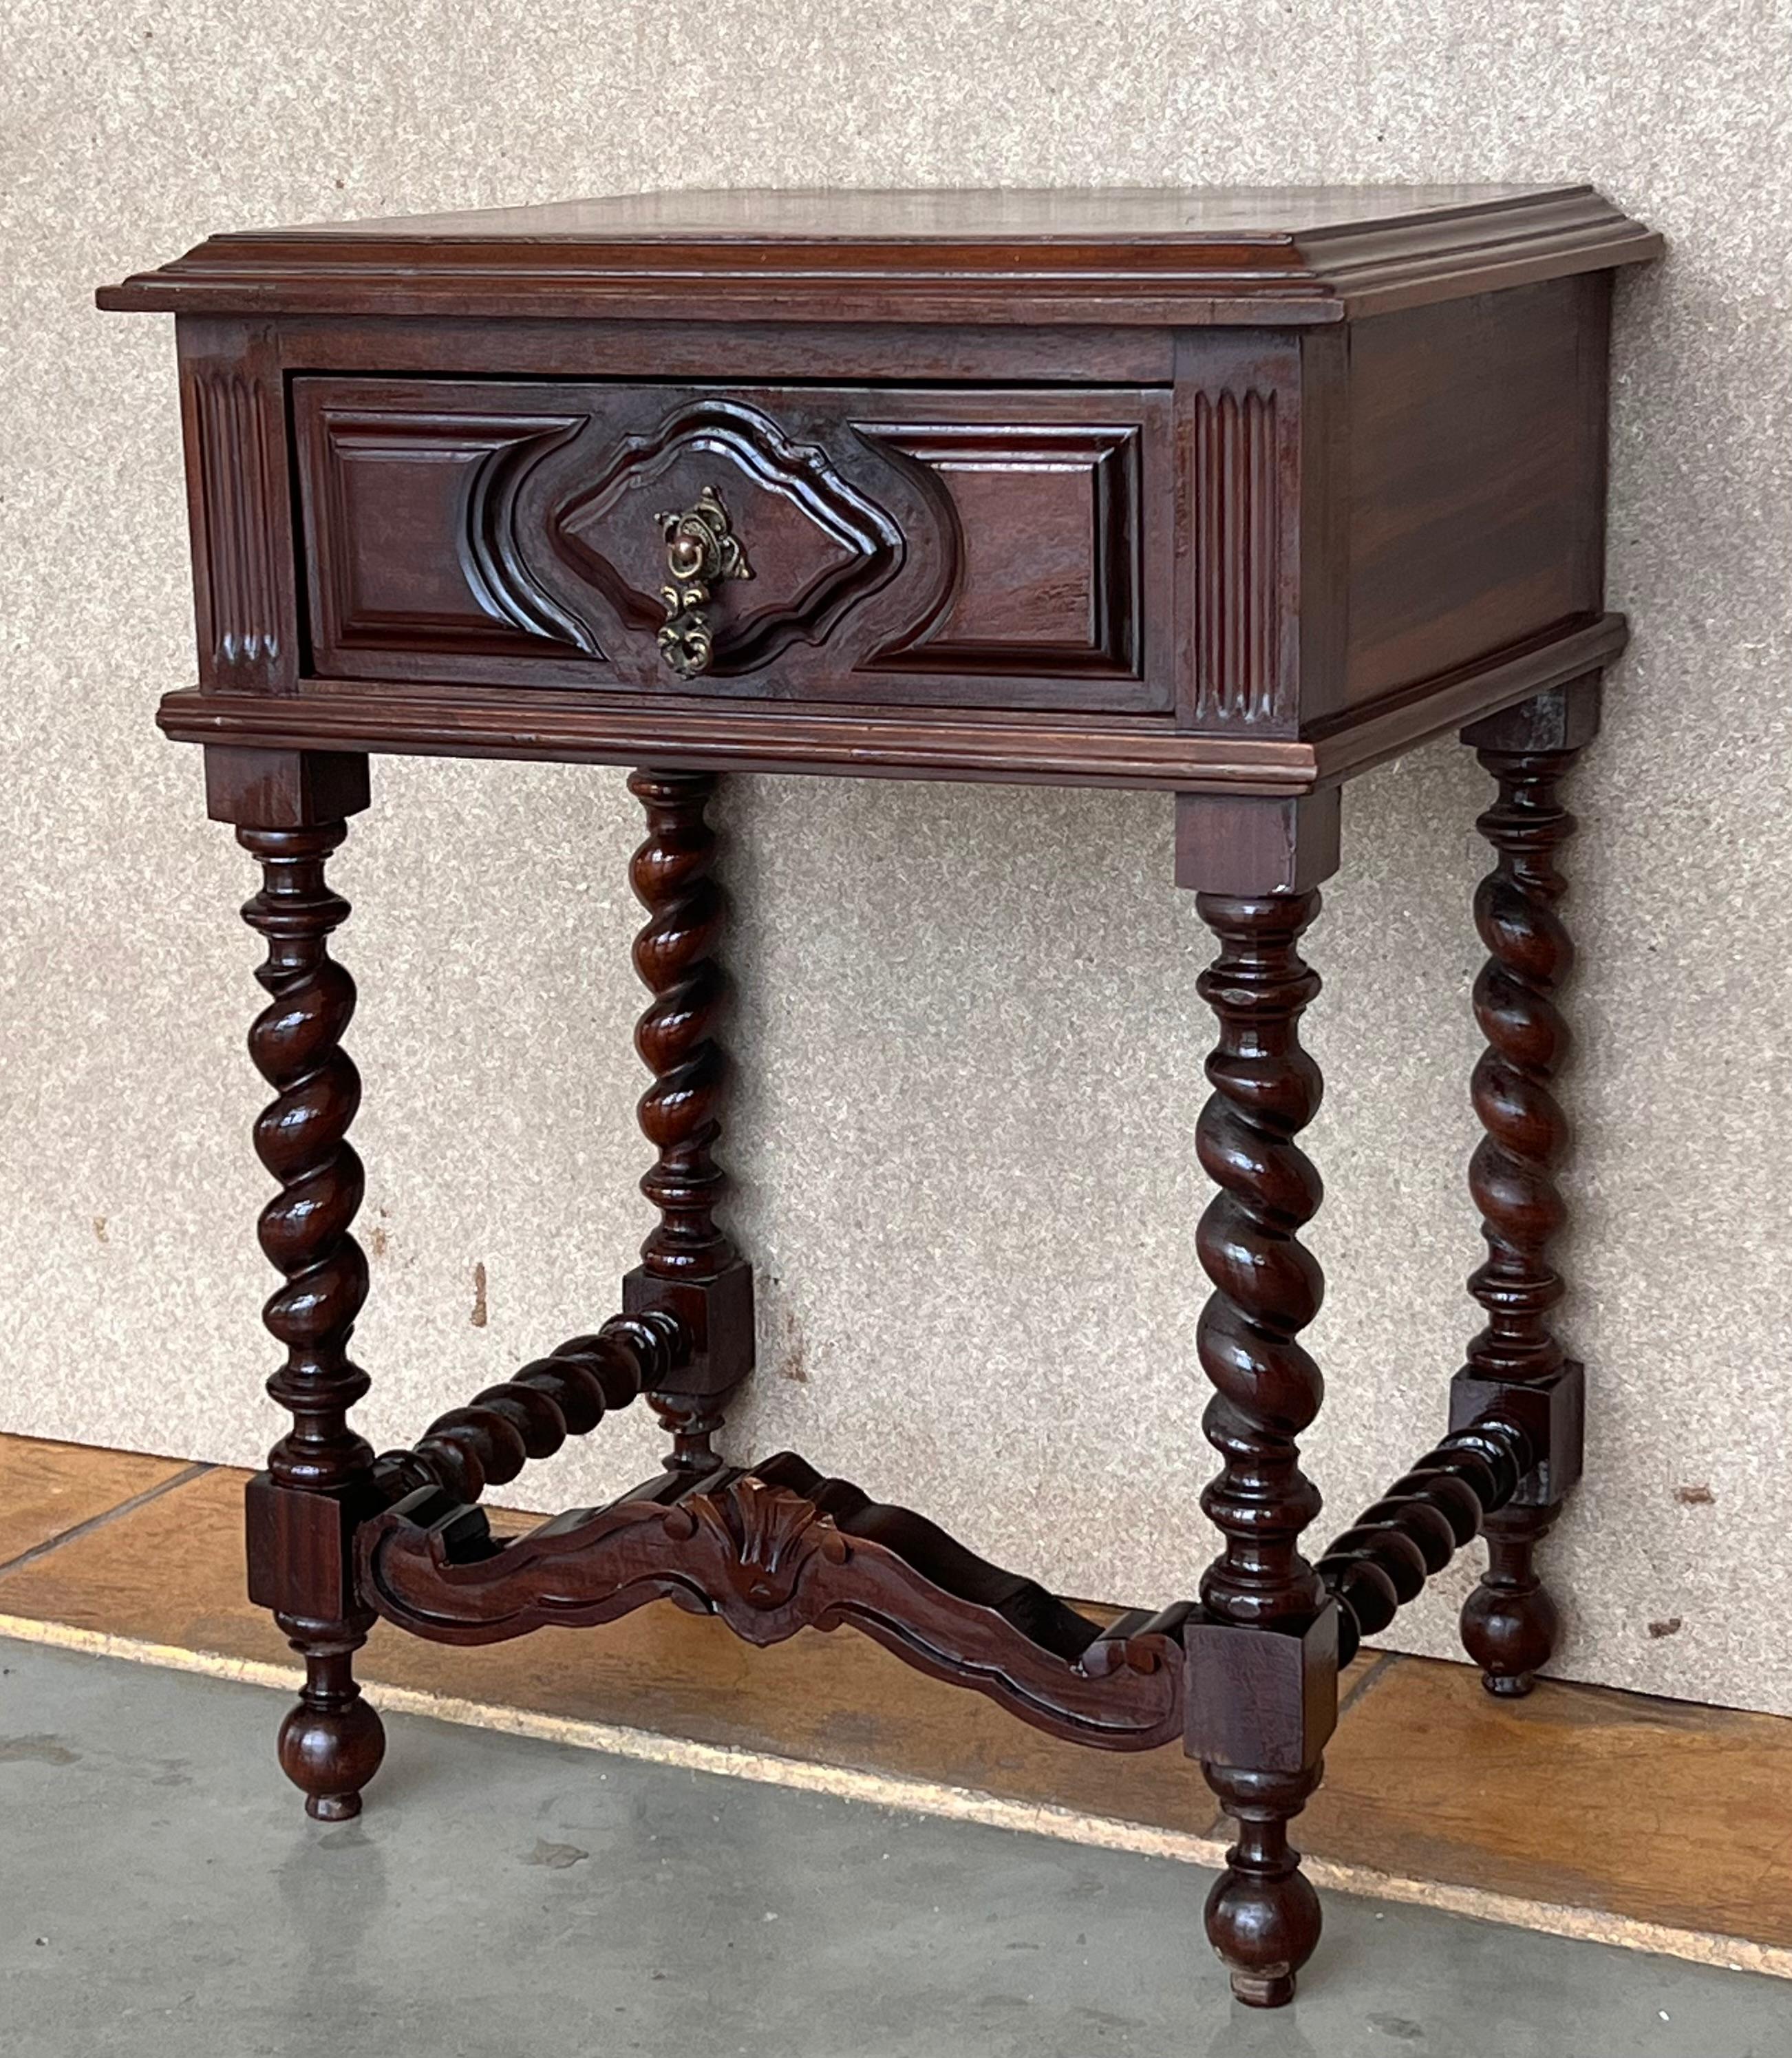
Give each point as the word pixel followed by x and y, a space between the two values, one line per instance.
pixel 701 550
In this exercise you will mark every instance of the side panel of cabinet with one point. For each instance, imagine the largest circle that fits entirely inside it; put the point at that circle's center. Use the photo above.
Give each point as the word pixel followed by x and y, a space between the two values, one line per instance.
pixel 1473 491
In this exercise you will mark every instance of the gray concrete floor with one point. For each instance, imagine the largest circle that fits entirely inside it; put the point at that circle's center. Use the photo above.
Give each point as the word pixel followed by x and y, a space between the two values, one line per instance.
pixel 162 1895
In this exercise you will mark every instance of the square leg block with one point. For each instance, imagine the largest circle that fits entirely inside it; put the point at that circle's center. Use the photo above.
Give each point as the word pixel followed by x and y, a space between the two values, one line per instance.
pixel 1263 1699
pixel 301 1549
pixel 718 1314
pixel 1551 1411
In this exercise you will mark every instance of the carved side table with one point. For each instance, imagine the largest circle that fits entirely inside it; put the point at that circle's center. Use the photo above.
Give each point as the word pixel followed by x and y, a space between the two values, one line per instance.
pixel 1224 495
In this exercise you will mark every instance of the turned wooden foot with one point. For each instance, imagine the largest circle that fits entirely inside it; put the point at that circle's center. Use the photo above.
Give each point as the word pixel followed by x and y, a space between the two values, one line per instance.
pixel 331 1743
pixel 1262 1914
pixel 1509 1623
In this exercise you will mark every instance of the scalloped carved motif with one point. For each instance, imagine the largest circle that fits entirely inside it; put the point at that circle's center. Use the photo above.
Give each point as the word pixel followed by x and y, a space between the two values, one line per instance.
pixel 820 544
pixel 763 1533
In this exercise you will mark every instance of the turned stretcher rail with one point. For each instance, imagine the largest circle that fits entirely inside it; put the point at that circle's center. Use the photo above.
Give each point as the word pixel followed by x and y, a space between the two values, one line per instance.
pixel 530 1415
pixel 1384 1560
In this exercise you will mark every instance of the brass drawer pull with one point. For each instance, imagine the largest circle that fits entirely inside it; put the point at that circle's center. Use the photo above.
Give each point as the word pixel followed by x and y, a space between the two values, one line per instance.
pixel 701 550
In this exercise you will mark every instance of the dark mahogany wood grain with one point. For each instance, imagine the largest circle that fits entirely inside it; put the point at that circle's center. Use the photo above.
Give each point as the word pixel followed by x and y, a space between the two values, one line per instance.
pixel 1510 1622
pixel 289 815
pixel 1278 255
pixel 1474 487
pixel 966 744
pixel 1262 1915
pixel 1297 554
pixel 906 544
pixel 779 1549
pixel 1228 495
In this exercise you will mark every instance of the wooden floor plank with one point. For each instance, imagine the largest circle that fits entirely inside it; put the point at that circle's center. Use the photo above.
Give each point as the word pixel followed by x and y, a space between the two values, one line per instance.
pixel 170 1572
pixel 1662 1811
pixel 47 1489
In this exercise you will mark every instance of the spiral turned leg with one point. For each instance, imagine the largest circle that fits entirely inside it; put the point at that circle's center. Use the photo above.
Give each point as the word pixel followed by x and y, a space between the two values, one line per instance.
pixel 1263 1917
pixel 302 1510
pixel 689 1267
pixel 1509 1623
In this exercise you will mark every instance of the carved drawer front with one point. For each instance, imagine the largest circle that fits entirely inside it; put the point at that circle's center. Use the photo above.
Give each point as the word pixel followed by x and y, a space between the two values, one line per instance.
pixel 973 547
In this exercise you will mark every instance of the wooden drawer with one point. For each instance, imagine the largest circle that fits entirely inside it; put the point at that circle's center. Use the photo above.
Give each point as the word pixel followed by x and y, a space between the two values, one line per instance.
pixel 1000 548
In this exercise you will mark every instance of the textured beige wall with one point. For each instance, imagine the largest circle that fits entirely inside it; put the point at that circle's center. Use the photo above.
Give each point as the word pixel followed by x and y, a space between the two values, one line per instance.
pixel 972 1039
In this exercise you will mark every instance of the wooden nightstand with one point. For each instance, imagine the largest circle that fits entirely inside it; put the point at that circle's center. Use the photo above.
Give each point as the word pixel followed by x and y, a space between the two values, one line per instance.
pixel 1230 495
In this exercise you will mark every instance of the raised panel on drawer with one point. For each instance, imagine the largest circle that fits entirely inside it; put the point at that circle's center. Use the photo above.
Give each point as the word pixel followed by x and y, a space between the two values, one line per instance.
pixel 1004 548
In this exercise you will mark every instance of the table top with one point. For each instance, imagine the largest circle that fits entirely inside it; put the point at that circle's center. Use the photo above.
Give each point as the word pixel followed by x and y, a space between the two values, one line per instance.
pixel 1071 485
pixel 1285 254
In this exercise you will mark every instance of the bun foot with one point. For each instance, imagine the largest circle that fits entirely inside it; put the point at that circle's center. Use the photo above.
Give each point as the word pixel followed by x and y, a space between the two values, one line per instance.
pixel 332 1744
pixel 1263 1916
pixel 1509 1623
